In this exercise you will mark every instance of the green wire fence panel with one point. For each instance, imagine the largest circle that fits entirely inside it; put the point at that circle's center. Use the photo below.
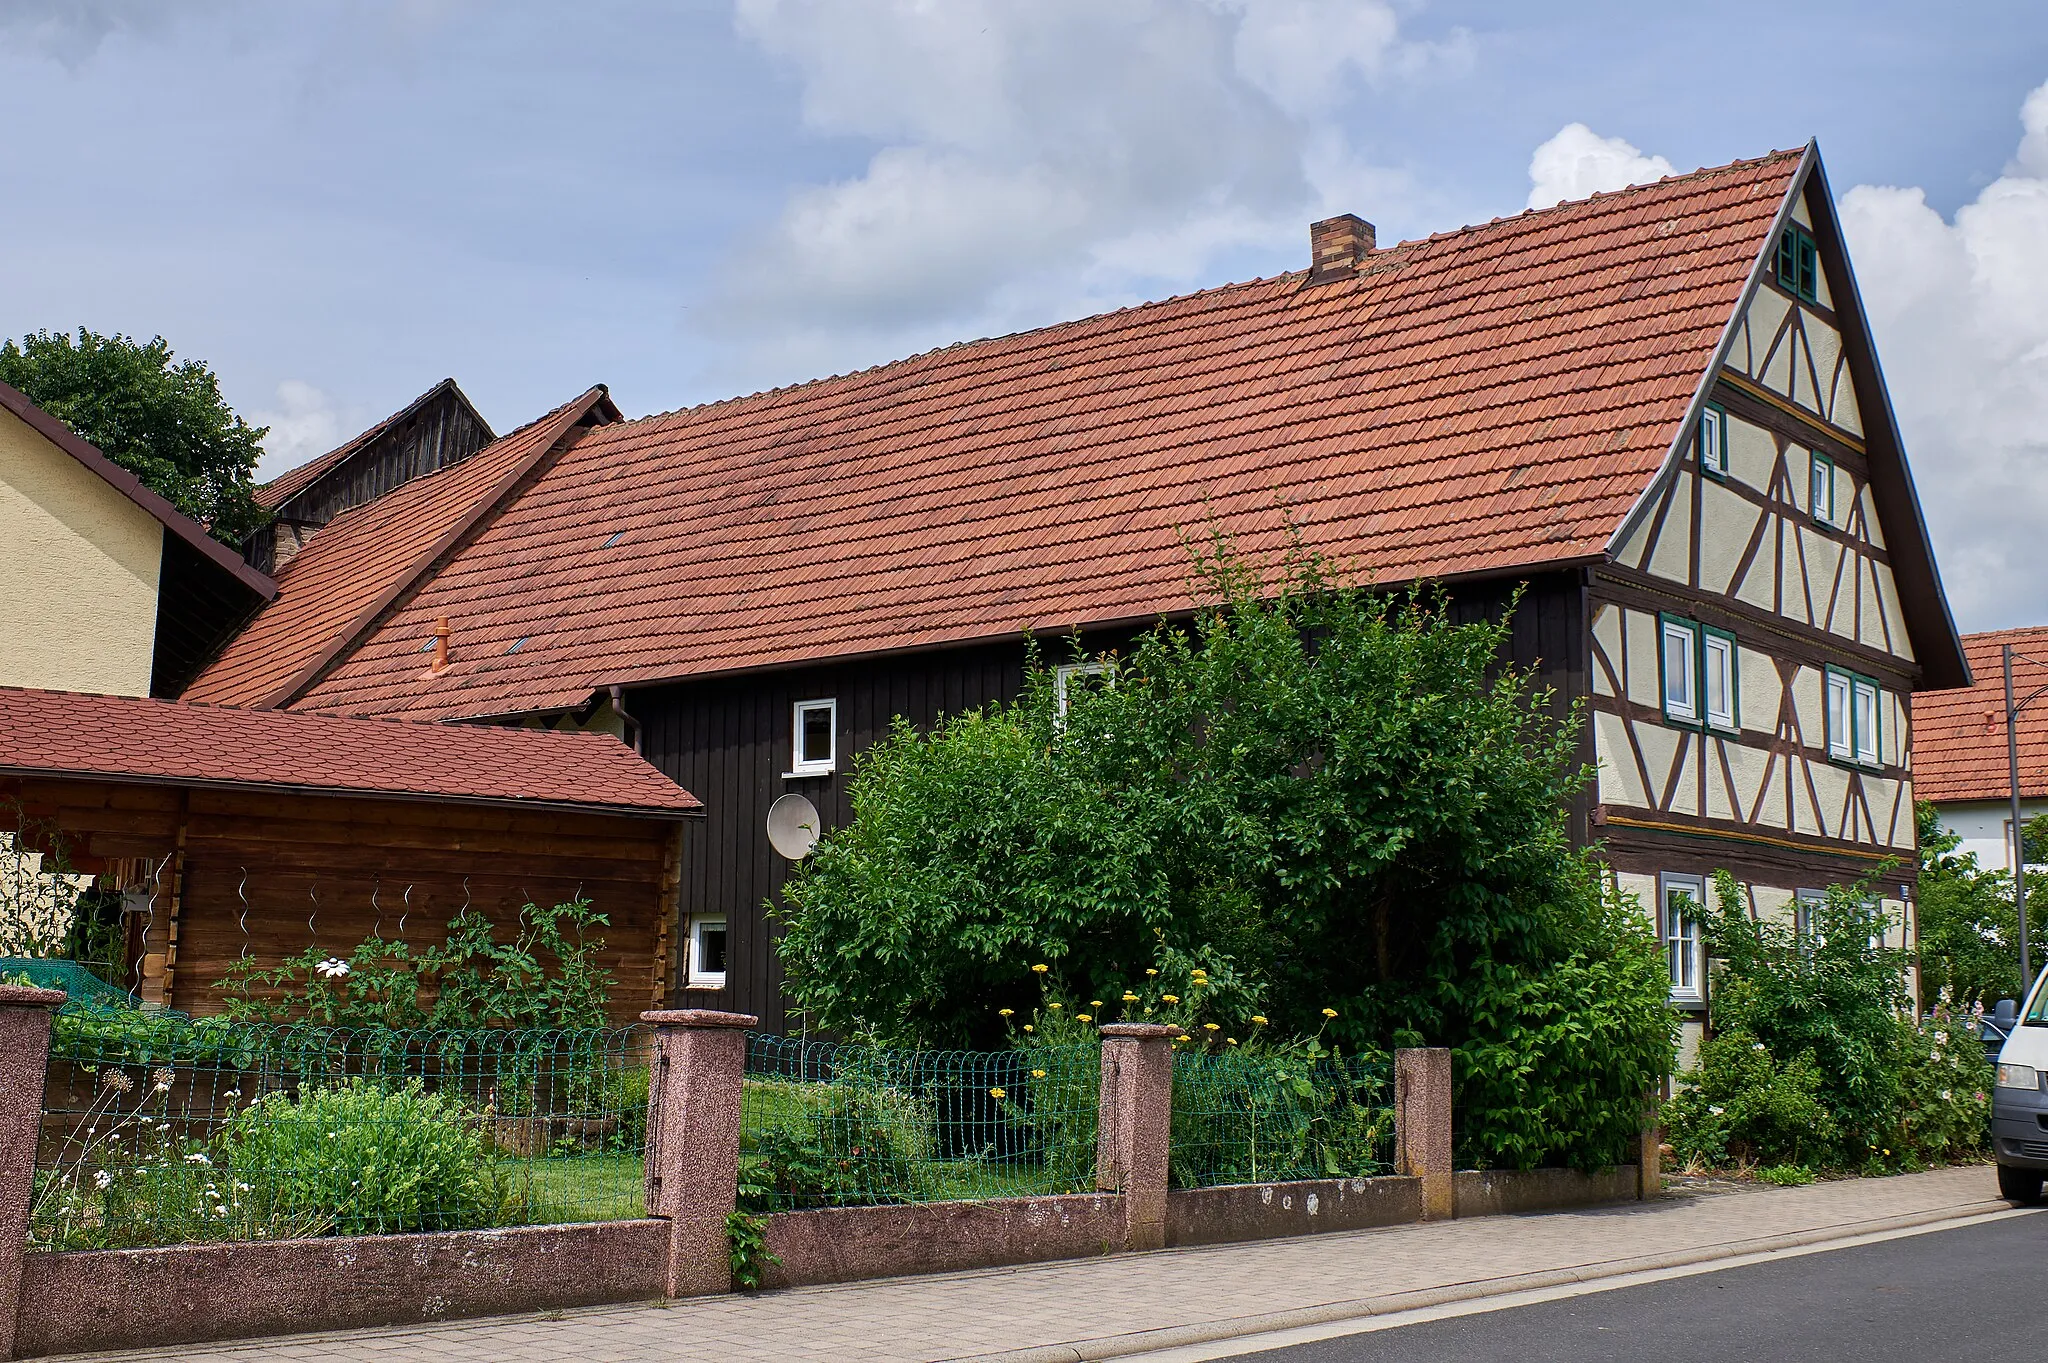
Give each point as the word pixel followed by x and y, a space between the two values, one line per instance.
pixel 1241 1118
pixel 824 1125
pixel 160 1130
pixel 85 991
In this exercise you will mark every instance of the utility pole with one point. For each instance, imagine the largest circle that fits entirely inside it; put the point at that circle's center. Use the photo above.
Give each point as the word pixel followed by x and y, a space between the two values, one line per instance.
pixel 2019 837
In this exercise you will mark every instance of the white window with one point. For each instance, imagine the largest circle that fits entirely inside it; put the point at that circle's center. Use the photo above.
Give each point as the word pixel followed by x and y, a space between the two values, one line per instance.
pixel 1681 671
pixel 815 733
pixel 1841 743
pixel 1802 912
pixel 1718 677
pixel 1683 898
pixel 1863 720
pixel 1714 441
pixel 1067 676
pixel 1821 488
pixel 706 966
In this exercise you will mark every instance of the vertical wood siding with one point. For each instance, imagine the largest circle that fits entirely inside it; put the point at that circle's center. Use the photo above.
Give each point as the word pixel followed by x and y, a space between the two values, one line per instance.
pixel 729 742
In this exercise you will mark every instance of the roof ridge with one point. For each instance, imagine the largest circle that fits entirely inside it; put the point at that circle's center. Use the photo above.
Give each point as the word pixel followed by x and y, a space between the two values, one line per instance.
pixel 1380 256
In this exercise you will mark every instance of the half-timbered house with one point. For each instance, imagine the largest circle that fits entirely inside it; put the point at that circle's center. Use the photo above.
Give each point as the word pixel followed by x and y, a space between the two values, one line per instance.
pixel 1657 410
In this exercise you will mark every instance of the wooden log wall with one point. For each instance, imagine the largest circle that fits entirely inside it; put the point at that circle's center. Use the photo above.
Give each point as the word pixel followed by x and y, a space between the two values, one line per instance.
pixel 325 871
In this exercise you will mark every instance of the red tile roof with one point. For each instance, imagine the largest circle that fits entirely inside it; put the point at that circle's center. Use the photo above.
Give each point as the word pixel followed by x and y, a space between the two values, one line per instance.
pixel 355 565
pixel 291 482
pixel 1959 748
pixel 66 734
pixel 1486 401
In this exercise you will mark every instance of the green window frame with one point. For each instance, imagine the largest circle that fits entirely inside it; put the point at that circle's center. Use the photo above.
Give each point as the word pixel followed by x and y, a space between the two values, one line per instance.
pixel 1820 488
pixel 1799 263
pixel 1678 670
pixel 1713 440
pixel 1852 708
pixel 1720 659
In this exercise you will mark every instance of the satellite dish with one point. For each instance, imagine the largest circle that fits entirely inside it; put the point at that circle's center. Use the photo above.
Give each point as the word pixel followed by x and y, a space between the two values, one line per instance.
pixel 793 826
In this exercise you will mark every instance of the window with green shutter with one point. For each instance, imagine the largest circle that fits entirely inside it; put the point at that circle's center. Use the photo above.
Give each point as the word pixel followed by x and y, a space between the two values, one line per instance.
pixel 1799 263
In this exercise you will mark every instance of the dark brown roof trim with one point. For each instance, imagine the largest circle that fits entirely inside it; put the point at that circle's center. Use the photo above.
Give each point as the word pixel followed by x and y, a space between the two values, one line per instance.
pixel 131 487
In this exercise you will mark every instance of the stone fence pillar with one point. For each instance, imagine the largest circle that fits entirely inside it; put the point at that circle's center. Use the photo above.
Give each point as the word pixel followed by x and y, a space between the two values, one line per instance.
pixel 693 1140
pixel 1134 1133
pixel 25 1015
pixel 1422 1126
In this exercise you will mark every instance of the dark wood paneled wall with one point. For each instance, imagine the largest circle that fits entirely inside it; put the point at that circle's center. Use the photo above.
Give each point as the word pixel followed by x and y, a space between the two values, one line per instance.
pixel 729 742
pixel 271 873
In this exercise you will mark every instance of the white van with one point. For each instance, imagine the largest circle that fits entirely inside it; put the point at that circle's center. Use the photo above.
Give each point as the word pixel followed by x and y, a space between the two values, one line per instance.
pixel 2019 1104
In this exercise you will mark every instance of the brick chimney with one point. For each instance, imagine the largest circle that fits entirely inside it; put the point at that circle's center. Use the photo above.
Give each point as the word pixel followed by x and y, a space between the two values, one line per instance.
pixel 1336 246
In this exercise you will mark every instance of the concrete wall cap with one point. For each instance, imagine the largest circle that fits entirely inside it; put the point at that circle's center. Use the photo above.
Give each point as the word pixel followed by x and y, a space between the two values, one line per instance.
pixel 1142 1031
pixel 699 1017
pixel 28 996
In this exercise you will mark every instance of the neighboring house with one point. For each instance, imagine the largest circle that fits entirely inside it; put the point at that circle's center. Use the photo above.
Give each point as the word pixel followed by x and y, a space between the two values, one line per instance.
pixel 242 832
pixel 1960 754
pixel 108 587
pixel 1658 408
pixel 434 430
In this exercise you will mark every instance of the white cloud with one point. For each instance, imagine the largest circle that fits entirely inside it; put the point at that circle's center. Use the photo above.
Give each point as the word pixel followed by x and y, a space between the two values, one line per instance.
pixel 1578 162
pixel 304 425
pixel 1084 152
pixel 1960 312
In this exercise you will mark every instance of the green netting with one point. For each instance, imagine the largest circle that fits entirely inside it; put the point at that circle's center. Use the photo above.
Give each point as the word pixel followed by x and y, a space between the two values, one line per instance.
pixel 1250 1118
pixel 87 992
pixel 826 1125
pixel 162 1130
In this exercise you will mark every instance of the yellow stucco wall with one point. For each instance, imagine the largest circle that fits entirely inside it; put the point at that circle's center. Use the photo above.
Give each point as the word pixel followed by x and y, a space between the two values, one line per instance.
pixel 78 573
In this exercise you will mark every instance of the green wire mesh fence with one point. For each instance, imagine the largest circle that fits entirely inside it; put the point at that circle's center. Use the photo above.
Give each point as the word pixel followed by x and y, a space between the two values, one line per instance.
pixel 1240 1118
pixel 825 1125
pixel 168 1130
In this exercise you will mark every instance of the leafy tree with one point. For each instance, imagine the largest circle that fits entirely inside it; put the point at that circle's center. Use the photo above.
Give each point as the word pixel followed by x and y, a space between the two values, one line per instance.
pixel 1340 793
pixel 1832 996
pixel 1969 932
pixel 166 423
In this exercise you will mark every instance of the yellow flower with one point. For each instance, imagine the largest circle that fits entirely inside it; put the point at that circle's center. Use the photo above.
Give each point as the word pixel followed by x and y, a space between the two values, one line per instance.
pixel 1055 1006
pixel 1212 1027
pixel 1329 1012
pixel 1130 997
pixel 1230 1040
pixel 1198 981
pixel 1084 1017
pixel 1151 972
pixel 1038 1074
pixel 1169 998
pixel 1029 1028
pixel 1095 1003
pixel 1259 1019
pixel 1199 973
pixel 1007 1012
pixel 997 1093
pixel 1040 969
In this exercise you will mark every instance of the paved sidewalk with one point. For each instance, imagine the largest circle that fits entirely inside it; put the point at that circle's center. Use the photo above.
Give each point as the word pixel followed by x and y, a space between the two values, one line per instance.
pixel 1100 1308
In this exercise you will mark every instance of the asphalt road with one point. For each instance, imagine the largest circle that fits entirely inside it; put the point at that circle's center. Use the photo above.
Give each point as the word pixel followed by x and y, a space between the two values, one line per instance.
pixel 1944 1295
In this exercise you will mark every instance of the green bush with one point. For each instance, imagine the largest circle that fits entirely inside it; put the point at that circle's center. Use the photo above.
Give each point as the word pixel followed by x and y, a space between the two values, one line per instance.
pixel 376 1159
pixel 831 1145
pixel 1945 1094
pixel 1740 1104
pixel 1340 791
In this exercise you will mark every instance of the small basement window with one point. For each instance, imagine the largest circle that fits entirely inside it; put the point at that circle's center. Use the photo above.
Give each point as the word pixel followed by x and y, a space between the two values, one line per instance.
pixel 1680 656
pixel 1820 488
pixel 707 954
pixel 1799 263
pixel 815 734
pixel 1714 441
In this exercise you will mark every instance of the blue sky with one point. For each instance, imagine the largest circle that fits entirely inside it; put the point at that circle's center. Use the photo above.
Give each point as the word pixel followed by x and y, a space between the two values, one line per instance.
pixel 338 202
